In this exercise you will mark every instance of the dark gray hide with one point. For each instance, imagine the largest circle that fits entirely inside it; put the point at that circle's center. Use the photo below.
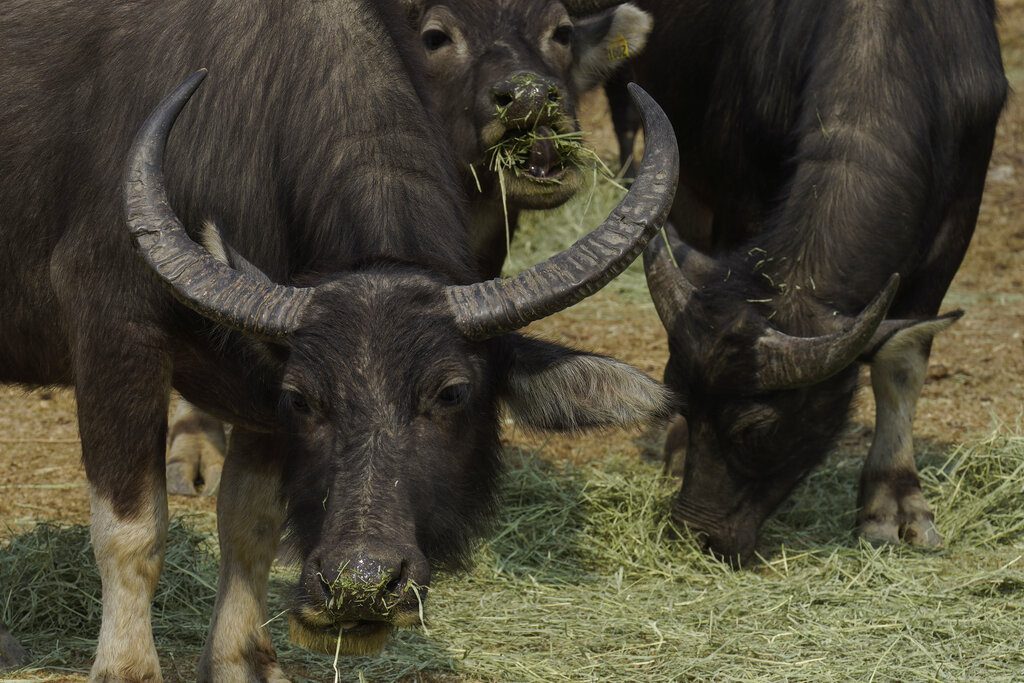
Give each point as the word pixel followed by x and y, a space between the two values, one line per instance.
pixel 824 147
pixel 498 68
pixel 362 368
pixel 493 69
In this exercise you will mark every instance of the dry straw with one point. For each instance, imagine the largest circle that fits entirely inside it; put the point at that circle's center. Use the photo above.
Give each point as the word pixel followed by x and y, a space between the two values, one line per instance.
pixel 582 579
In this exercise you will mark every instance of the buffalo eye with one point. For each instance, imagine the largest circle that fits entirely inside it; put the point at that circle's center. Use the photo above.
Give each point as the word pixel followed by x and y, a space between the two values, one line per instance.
pixel 563 34
pixel 453 395
pixel 434 39
pixel 297 403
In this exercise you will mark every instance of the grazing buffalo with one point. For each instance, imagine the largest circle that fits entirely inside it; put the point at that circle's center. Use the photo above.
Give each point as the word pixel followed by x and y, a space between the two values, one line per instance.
pixel 493 70
pixel 825 147
pixel 337 323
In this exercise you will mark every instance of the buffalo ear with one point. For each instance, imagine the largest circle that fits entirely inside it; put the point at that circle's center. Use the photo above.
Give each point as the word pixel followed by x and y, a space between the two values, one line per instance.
pixel 896 336
pixel 604 41
pixel 548 386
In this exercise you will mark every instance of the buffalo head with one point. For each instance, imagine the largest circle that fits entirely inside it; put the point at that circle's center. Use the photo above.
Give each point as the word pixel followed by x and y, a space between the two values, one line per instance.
pixel 500 69
pixel 762 406
pixel 391 381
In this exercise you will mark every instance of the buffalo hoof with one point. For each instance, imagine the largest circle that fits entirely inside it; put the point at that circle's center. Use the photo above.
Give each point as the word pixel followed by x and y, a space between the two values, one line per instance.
pixel 269 672
pixel 907 520
pixel 117 678
pixel 12 655
pixel 196 454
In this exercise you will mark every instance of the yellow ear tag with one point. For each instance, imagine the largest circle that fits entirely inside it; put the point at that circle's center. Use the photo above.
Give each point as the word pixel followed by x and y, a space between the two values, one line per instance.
pixel 618 48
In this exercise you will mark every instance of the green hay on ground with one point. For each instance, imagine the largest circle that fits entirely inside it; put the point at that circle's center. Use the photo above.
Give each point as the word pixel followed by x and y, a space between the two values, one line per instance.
pixel 50 593
pixel 582 580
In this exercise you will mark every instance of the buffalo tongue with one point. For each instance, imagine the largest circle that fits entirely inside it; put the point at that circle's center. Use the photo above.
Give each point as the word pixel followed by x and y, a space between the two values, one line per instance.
pixel 543 156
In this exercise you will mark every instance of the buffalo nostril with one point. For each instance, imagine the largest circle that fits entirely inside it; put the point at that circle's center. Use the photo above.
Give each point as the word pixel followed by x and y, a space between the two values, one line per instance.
pixel 503 98
pixel 325 586
pixel 398 580
pixel 554 95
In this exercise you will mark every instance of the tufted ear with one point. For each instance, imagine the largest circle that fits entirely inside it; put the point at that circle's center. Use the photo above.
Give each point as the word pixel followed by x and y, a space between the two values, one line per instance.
pixel 548 386
pixel 895 336
pixel 604 41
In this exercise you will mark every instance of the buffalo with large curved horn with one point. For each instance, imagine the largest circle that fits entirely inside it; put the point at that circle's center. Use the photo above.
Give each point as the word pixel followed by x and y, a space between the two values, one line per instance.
pixel 481 310
pixel 783 361
pixel 381 396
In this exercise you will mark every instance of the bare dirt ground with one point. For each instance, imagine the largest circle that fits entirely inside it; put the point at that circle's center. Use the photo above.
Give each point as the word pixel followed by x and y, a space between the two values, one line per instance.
pixel 975 382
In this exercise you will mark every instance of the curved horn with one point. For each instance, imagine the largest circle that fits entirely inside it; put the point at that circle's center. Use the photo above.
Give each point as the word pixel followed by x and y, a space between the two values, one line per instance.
pixel 785 362
pixel 666 266
pixel 579 8
pixel 488 309
pixel 200 281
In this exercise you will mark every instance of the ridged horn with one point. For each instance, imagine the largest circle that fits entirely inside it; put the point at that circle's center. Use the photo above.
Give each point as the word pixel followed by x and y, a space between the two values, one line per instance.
pixel 488 309
pixel 786 362
pixel 201 282
pixel 672 285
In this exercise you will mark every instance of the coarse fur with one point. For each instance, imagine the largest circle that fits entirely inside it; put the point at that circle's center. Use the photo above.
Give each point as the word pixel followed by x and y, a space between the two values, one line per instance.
pixel 825 146
pixel 313 149
pixel 476 52
pixel 499 68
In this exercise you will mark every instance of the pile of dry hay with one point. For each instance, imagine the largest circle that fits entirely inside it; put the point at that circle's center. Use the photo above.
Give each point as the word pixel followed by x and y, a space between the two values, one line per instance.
pixel 50 593
pixel 582 580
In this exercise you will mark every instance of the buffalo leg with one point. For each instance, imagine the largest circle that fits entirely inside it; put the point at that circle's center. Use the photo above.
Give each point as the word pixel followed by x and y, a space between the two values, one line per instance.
pixel 195 451
pixel 892 506
pixel 12 655
pixel 249 517
pixel 488 239
pixel 122 389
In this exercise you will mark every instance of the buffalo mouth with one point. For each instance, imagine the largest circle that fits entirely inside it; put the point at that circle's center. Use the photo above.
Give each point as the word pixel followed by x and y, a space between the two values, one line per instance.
pixel 352 623
pixel 730 538
pixel 317 631
pixel 359 637
pixel 543 162
pixel 538 167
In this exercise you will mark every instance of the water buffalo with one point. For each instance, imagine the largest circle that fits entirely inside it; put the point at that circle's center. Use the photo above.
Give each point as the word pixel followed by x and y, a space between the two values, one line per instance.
pixel 498 69
pixel 493 70
pixel 334 318
pixel 824 148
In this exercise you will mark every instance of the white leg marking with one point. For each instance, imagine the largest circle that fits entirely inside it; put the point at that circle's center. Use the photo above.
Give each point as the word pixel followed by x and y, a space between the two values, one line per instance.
pixel 130 555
